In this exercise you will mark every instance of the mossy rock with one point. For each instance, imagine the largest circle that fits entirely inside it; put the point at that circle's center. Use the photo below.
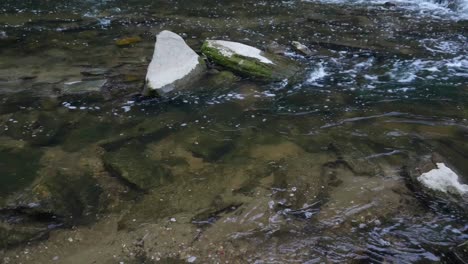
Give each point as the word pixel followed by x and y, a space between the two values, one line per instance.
pixel 249 61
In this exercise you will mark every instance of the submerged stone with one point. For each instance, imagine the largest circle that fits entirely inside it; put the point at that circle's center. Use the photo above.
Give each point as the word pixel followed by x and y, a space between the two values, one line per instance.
pixel 12 234
pixel 131 165
pixel 82 87
pixel 37 128
pixel 94 71
pixel 223 78
pixel 249 61
pixel 276 48
pixel 67 189
pixel 15 172
pixel 173 66
pixel 460 252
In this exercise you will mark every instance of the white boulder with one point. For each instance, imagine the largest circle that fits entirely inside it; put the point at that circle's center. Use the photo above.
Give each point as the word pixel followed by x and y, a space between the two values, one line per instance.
pixel 173 66
pixel 443 179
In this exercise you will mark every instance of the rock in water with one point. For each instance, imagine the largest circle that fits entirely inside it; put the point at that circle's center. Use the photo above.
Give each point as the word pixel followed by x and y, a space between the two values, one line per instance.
pixel 443 179
pixel 301 48
pixel 174 64
pixel 249 61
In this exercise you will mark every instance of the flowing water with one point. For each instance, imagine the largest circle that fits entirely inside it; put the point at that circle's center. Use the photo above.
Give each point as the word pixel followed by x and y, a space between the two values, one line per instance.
pixel 232 171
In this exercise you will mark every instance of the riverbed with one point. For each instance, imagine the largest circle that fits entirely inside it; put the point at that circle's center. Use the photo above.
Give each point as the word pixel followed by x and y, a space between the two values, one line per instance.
pixel 232 170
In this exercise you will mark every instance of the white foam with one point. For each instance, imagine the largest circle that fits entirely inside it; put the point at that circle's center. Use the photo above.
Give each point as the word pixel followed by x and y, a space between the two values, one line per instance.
pixel 443 179
pixel 434 8
pixel 229 48
pixel 317 74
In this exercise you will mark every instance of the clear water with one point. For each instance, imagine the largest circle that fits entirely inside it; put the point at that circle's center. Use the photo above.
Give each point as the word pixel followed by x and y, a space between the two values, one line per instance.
pixel 245 172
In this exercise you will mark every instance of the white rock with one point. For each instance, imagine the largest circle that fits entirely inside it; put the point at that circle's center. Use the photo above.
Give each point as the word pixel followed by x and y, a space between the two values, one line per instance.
pixel 173 63
pixel 443 179
pixel 229 48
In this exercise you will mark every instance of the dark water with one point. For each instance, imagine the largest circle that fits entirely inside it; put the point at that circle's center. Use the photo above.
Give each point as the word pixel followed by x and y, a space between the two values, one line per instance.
pixel 232 170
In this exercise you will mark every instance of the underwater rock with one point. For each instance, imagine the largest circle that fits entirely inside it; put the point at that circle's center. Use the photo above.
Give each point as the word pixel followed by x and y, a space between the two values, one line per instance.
pixel 15 173
pixel 460 253
pixel 276 48
pixel 301 48
pixel 94 71
pixel 131 165
pixel 127 41
pixel 223 78
pixel 68 188
pixel 71 189
pixel 37 128
pixel 19 230
pixel 174 65
pixel 249 61
pixel 83 87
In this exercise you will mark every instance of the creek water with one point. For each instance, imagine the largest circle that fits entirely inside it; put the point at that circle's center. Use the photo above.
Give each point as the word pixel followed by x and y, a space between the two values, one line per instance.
pixel 231 170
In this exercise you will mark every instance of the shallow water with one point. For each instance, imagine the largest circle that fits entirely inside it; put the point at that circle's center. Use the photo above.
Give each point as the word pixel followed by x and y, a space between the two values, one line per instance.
pixel 320 170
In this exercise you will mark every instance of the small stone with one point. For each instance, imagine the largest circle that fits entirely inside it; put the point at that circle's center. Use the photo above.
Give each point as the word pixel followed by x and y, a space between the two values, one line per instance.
pixel 276 48
pixel 301 48
pixel 173 220
pixel 191 259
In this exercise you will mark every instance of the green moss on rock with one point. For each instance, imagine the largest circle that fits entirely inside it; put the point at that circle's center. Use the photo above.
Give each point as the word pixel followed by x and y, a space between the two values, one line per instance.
pixel 279 70
pixel 242 65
